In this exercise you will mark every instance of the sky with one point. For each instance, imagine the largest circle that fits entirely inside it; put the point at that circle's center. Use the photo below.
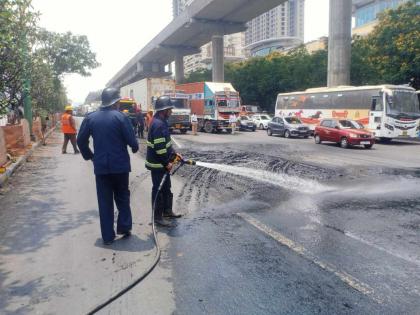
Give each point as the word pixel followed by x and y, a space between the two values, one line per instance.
pixel 117 30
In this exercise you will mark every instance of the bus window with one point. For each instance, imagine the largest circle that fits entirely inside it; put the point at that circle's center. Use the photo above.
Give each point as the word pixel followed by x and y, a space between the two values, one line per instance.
pixel 377 105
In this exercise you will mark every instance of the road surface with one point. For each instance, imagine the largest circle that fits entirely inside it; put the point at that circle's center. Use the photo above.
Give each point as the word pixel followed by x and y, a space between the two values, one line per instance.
pixel 270 226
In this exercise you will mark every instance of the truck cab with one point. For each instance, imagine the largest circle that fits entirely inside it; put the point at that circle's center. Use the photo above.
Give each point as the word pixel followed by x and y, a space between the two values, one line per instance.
pixel 181 113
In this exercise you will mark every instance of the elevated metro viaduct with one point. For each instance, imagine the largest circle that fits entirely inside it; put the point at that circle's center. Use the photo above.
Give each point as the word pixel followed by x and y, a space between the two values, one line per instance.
pixel 209 20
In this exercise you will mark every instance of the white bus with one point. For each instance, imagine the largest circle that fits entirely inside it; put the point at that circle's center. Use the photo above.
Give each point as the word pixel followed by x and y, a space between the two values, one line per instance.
pixel 388 111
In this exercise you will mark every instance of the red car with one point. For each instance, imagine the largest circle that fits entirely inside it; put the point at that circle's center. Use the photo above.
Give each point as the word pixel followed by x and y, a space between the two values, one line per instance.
pixel 344 132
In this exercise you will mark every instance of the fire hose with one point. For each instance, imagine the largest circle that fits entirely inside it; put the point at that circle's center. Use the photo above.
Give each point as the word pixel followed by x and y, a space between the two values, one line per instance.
pixel 178 161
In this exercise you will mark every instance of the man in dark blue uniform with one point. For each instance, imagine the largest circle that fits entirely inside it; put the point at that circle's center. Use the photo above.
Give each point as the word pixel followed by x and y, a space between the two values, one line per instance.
pixel 160 155
pixel 111 131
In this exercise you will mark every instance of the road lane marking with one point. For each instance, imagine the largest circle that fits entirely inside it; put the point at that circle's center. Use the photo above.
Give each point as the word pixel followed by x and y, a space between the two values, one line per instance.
pixel 299 249
pixel 176 143
pixel 366 242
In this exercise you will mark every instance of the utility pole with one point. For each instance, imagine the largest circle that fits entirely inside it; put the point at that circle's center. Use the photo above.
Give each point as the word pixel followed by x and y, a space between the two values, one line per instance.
pixel 26 91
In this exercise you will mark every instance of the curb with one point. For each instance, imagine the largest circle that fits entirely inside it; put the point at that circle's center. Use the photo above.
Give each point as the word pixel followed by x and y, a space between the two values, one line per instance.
pixel 21 160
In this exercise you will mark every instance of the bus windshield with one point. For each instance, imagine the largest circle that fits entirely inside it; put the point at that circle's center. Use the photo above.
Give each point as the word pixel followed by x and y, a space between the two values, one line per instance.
pixel 402 104
pixel 179 103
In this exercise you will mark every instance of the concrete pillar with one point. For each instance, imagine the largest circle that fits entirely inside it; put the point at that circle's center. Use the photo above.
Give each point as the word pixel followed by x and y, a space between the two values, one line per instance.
pixel 179 68
pixel 339 43
pixel 218 52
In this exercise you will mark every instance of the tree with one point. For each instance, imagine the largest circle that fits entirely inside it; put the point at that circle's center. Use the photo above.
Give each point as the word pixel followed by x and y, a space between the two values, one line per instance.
pixel 17 36
pixel 66 53
pixel 29 52
pixel 394 45
pixel 200 75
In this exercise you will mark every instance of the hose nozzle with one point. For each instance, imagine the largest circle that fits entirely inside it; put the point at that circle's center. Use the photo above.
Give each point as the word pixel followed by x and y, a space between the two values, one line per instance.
pixel 189 162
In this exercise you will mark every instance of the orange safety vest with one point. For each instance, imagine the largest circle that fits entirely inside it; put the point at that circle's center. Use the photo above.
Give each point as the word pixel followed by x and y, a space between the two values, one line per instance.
pixel 66 126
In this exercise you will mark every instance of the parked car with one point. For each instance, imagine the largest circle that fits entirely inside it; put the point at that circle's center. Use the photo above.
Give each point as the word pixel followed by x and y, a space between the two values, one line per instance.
pixel 245 123
pixel 345 132
pixel 261 120
pixel 288 127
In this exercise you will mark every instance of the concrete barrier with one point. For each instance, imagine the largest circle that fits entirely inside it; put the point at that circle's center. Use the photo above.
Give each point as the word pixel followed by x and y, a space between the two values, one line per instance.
pixel 37 129
pixel 3 150
pixel 17 137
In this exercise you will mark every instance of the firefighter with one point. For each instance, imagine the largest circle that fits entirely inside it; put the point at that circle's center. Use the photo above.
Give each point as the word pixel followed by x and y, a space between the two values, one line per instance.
pixel 68 127
pixel 111 132
pixel 160 155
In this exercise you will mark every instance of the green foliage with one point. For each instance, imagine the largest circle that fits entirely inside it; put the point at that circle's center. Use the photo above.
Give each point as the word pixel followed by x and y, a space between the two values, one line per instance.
pixel 26 51
pixel 260 79
pixel 394 45
pixel 66 53
pixel 17 29
pixel 201 75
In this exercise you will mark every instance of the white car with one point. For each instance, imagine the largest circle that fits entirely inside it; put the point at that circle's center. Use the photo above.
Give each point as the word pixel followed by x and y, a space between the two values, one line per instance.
pixel 261 120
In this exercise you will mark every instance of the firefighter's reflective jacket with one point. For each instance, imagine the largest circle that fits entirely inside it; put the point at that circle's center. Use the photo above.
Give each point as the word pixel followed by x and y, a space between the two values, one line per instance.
pixel 159 145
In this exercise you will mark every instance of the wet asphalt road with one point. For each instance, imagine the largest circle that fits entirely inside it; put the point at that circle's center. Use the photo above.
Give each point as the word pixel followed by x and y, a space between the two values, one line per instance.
pixel 278 230
pixel 271 226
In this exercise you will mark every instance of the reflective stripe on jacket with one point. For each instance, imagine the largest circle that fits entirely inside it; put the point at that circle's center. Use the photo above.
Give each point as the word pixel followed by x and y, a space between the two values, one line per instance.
pixel 66 126
pixel 159 145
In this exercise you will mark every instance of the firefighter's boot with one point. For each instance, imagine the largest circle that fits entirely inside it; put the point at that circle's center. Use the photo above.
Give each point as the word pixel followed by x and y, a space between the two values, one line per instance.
pixel 167 209
pixel 159 206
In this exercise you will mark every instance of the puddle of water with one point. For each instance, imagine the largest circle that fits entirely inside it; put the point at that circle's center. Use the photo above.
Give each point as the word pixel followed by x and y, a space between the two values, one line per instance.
pixel 282 180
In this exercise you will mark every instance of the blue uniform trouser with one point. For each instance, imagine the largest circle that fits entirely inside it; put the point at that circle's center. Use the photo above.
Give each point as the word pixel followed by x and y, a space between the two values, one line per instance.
pixel 112 187
pixel 157 177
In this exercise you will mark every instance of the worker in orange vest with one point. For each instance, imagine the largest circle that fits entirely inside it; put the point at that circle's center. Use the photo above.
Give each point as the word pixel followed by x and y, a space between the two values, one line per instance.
pixel 68 127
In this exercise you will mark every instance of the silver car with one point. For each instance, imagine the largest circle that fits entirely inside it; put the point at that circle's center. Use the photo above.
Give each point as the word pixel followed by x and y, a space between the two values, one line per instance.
pixel 288 127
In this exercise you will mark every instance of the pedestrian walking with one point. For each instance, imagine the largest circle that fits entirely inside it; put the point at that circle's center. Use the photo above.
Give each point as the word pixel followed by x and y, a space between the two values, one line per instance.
pixel 160 153
pixel 111 132
pixel 232 122
pixel 68 127
pixel 44 128
pixel 194 124
pixel 140 124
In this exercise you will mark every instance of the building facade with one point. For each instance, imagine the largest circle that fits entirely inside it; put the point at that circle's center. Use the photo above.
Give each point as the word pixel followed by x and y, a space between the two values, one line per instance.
pixel 234 51
pixel 178 6
pixel 365 13
pixel 234 45
pixel 278 29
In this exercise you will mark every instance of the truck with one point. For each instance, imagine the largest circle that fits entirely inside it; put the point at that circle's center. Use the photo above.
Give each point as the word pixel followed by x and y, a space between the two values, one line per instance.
pixel 213 103
pixel 181 113
pixel 146 91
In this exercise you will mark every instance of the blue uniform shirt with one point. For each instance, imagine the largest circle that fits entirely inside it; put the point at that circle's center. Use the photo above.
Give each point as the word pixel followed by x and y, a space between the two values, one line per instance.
pixel 159 144
pixel 111 131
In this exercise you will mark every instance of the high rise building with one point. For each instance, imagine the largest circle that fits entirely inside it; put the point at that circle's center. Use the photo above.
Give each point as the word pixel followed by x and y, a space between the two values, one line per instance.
pixel 278 29
pixel 234 45
pixel 178 6
pixel 366 13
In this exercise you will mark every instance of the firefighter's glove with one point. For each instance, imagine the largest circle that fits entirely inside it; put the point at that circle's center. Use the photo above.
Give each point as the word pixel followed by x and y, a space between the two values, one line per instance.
pixel 169 167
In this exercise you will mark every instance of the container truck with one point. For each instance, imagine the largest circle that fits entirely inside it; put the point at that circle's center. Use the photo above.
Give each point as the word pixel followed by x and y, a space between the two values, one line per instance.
pixel 213 103
pixel 146 91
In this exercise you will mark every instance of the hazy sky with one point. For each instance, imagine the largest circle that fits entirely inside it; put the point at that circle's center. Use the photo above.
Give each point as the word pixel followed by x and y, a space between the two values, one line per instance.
pixel 117 30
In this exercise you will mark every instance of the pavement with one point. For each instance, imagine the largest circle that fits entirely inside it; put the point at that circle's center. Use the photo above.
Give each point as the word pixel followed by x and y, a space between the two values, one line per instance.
pixel 270 226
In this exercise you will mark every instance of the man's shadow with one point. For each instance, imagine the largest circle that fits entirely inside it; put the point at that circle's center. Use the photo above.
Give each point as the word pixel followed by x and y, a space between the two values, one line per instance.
pixel 128 244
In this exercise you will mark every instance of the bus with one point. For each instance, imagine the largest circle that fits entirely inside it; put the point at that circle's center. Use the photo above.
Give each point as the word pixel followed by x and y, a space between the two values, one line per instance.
pixel 388 111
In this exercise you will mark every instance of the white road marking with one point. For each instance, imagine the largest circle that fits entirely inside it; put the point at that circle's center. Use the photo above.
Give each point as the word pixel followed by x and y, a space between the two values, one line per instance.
pixel 176 143
pixel 366 242
pixel 299 249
